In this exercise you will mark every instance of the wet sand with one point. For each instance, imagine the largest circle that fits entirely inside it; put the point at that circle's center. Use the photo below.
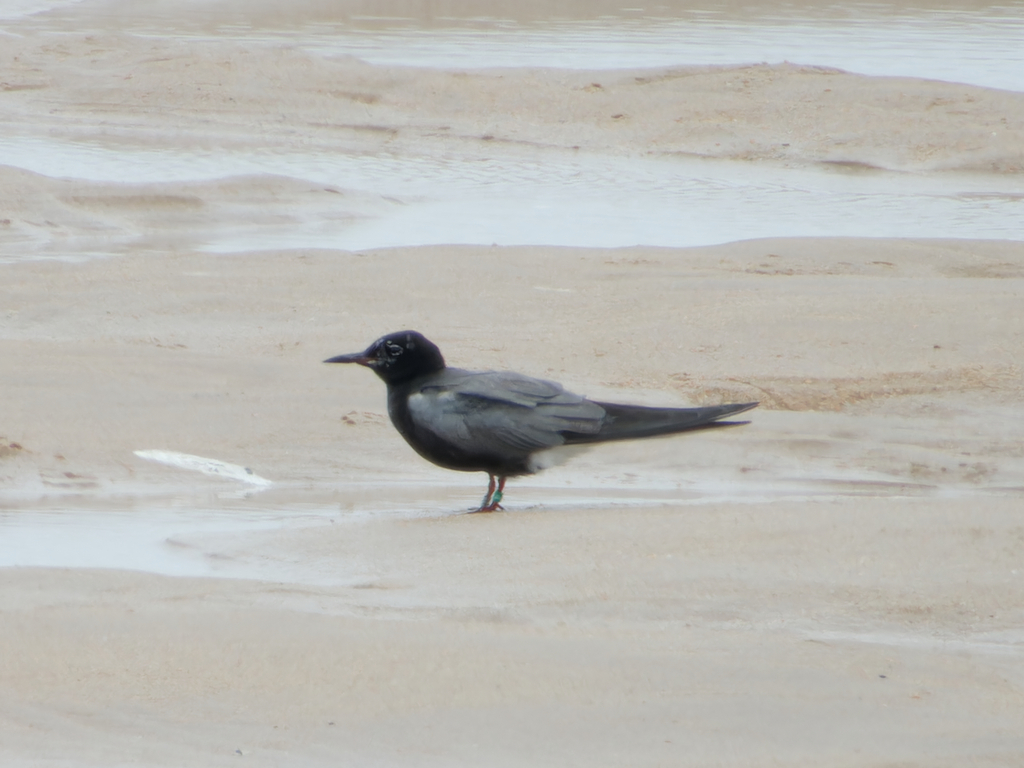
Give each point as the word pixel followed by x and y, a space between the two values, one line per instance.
pixel 836 583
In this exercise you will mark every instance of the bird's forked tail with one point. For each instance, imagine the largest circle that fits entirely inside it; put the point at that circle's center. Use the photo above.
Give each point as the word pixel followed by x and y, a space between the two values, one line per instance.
pixel 626 422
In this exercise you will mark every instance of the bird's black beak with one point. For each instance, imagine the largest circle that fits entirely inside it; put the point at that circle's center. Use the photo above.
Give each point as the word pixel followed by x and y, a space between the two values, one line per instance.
pixel 357 357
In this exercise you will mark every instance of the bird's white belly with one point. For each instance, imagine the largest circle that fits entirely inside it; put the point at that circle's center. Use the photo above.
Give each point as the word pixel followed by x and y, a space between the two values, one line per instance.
pixel 552 457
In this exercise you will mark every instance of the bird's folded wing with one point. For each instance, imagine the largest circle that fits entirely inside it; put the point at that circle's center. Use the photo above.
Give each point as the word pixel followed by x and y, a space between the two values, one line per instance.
pixel 501 412
pixel 504 386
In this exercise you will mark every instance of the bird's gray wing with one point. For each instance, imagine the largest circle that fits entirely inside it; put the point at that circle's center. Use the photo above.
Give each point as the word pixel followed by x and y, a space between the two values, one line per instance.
pixel 502 413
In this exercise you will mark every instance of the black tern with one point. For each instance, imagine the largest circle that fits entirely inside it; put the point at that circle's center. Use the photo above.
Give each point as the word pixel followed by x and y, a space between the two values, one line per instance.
pixel 502 423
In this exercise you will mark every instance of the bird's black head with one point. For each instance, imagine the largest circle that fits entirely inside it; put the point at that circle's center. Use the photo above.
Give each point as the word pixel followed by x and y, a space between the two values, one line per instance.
pixel 398 357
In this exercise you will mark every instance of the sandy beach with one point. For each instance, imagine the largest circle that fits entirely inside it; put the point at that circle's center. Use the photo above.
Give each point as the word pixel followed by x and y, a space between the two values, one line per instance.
pixel 214 548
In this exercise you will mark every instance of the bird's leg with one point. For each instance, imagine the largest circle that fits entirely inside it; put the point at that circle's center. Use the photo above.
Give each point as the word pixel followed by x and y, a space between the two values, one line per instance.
pixel 498 494
pixel 495 495
pixel 487 496
pixel 492 500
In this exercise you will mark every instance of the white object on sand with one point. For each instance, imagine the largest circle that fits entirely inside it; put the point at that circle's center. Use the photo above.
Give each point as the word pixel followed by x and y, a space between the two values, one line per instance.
pixel 204 465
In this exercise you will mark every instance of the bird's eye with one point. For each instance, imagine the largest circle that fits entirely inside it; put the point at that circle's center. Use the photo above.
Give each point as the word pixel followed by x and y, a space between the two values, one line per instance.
pixel 393 349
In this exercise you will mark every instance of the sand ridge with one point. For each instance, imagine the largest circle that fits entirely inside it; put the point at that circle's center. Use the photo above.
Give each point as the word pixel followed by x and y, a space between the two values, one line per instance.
pixel 214 93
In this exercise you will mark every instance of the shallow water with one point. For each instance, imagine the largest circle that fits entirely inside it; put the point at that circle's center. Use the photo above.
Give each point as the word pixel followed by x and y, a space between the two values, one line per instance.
pixel 182 536
pixel 138 541
pixel 550 198
pixel 613 202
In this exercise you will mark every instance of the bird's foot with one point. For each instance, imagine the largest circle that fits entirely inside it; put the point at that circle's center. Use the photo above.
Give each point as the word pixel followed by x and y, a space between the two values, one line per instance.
pixel 494 495
pixel 491 502
pixel 488 508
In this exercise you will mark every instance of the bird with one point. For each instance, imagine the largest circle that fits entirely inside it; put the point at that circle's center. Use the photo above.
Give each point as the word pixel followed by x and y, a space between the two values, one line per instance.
pixel 503 423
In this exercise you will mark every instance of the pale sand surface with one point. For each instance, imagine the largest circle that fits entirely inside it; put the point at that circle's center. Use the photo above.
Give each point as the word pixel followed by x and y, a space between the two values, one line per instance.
pixel 853 632
pixel 874 527
pixel 837 583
